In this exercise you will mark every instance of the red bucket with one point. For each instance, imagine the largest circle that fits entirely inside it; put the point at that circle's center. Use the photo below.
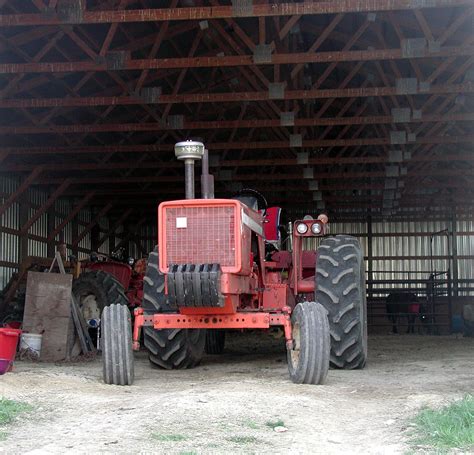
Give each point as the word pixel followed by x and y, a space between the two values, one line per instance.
pixel 8 343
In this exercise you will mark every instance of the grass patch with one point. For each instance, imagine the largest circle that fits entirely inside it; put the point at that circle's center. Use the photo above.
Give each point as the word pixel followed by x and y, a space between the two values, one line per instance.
pixel 243 439
pixel 275 423
pixel 9 409
pixel 168 437
pixel 251 424
pixel 450 427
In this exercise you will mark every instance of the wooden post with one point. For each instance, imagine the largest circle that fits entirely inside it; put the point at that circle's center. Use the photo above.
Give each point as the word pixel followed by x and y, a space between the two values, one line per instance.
pixel 75 233
pixel 23 236
pixel 454 256
pixel 111 242
pixel 51 220
pixel 370 263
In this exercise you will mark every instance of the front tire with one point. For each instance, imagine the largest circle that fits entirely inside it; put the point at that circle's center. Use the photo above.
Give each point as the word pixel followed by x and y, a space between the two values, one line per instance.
pixel 117 353
pixel 308 360
pixel 340 288
pixel 173 348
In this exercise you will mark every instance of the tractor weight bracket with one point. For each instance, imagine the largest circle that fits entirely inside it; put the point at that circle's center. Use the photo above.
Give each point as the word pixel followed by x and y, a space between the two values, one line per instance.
pixel 140 320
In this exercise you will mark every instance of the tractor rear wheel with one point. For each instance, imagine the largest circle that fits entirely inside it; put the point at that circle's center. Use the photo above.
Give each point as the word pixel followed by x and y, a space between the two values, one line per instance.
pixel 117 354
pixel 95 290
pixel 215 342
pixel 308 360
pixel 171 348
pixel 340 288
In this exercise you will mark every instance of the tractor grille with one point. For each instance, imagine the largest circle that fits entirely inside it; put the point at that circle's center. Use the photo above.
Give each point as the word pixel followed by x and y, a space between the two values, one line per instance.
pixel 207 238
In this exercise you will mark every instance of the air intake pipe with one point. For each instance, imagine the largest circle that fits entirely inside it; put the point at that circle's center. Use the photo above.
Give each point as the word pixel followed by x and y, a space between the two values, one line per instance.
pixel 189 152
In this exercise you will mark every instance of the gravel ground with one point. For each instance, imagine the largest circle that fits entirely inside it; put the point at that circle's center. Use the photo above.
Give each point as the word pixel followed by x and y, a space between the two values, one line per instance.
pixel 231 403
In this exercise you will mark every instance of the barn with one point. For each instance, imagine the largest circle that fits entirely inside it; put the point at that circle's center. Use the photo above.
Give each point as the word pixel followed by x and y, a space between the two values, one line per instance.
pixel 352 111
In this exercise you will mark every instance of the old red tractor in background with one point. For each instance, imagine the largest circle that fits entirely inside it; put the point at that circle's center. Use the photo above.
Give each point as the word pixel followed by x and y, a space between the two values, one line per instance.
pixel 105 280
pixel 98 281
pixel 212 272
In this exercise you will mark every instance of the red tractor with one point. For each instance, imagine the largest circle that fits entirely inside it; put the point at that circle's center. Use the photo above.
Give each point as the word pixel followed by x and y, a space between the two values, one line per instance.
pixel 212 272
pixel 104 281
pixel 98 281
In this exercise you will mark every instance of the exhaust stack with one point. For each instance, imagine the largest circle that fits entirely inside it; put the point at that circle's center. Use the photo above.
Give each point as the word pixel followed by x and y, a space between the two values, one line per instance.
pixel 189 151
pixel 207 180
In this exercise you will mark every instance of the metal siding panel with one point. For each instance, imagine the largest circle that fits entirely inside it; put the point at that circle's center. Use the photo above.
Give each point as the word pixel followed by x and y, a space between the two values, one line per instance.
pixel 104 227
pixel 133 250
pixel 85 242
pixel 5 275
pixel 11 217
pixel 36 248
pixel 85 215
pixel 9 247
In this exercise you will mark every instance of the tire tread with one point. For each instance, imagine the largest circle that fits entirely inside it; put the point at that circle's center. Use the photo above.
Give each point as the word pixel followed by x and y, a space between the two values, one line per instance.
pixel 340 288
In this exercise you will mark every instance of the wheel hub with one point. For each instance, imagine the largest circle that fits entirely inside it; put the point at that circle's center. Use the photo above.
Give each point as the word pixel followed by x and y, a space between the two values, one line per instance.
pixel 90 308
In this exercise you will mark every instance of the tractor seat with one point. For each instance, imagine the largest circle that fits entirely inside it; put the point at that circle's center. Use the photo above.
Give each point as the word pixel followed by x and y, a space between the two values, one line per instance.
pixel 250 201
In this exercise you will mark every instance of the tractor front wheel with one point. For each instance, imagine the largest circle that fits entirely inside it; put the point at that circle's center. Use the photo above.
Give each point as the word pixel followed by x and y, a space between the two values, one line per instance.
pixel 308 360
pixel 117 354
pixel 168 348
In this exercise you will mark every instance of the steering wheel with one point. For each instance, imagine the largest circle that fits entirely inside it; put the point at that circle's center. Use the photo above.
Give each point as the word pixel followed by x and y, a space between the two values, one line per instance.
pixel 261 200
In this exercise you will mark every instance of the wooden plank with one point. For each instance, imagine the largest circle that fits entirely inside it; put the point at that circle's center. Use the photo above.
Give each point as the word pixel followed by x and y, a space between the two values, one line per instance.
pixel 81 327
pixel 48 312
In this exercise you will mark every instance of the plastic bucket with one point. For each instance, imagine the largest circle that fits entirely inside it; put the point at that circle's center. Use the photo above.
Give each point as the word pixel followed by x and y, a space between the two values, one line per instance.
pixel 31 343
pixel 8 344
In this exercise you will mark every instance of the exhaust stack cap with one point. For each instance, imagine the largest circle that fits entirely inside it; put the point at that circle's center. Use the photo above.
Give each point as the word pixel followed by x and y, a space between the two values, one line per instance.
pixel 189 150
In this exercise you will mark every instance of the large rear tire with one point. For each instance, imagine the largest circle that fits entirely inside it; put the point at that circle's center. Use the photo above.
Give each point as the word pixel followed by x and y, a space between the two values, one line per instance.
pixel 340 288
pixel 95 290
pixel 117 353
pixel 215 342
pixel 173 348
pixel 308 360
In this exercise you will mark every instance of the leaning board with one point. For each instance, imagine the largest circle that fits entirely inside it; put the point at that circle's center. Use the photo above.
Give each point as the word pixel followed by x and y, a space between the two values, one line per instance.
pixel 48 312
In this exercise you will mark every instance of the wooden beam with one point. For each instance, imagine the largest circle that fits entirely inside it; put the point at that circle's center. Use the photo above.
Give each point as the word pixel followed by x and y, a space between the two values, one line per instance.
pixel 88 228
pixel 223 12
pixel 51 200
pixel 116 225
pixel 72 214
pixel 233 97
pixel 233 60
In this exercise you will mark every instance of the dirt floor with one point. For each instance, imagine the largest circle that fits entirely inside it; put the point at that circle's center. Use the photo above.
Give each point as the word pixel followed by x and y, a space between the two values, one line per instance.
pixel 230 403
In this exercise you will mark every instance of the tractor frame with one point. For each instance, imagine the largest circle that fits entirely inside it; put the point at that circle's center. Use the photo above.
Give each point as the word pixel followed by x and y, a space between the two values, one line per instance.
pixel 250 297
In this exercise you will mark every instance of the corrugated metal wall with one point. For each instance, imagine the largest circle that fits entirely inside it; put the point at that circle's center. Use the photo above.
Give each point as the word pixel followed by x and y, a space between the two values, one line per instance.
pixel 8 242
pixel 402 250
pixel 104 227
pixel 84 217
pixel 465 247
pixel 10 220
pixel 40 227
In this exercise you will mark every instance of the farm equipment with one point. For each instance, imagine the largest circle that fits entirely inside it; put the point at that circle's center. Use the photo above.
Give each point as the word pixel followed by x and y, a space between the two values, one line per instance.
pixel 212 272
pixel 98 281
pixel 107 280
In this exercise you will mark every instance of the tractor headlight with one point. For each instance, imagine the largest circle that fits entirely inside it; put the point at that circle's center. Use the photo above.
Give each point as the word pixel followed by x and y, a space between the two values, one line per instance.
pixel 316 228
pixel 302 228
